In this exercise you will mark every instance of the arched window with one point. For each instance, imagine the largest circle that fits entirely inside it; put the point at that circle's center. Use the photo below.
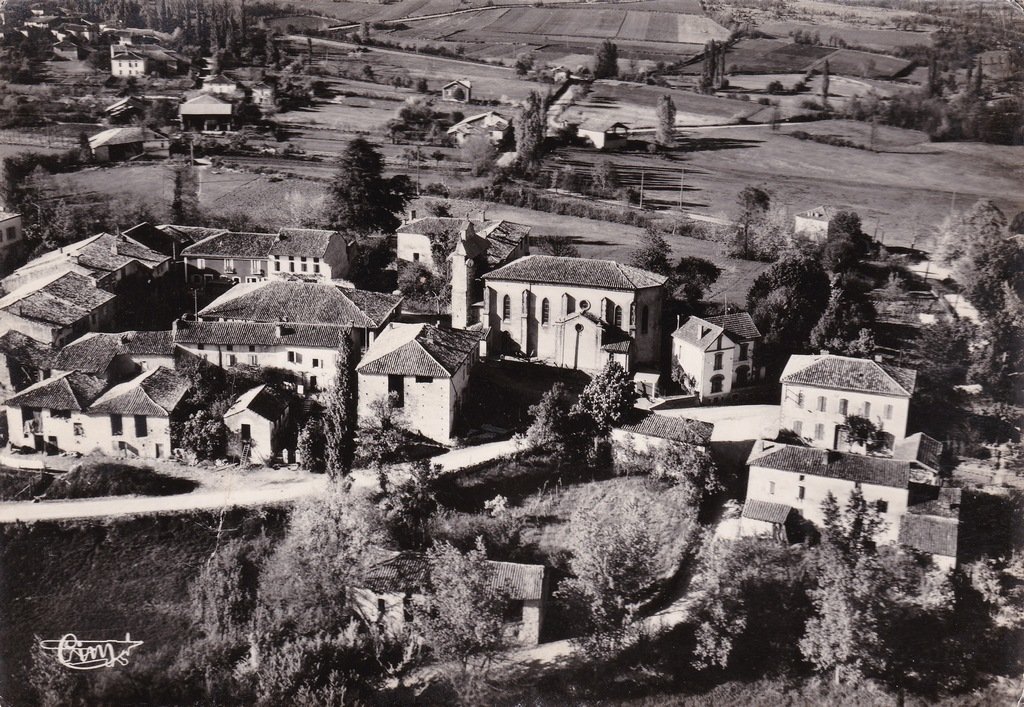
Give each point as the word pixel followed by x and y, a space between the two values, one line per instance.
pixel 526 303
pixel 618 316
pixel 716 384
pixel 506 308
pixel 568 304
pixel 632 314
pixel 545 311
pixel 643 319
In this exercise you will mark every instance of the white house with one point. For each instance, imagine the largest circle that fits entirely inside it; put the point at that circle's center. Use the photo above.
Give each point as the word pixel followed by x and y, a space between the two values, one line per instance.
pixel 813 223
pixel 611 137
pixel 394 591
pixel 76 412
pixel 570 312
pixel 11 232
pixel 128 64
pixel 787 479
pixel 501 241
pixel 258 417
pixel 716 354
pixel 425 370
pixel 311 254
pixel 207 112
pixel 820 391
pixel 494 126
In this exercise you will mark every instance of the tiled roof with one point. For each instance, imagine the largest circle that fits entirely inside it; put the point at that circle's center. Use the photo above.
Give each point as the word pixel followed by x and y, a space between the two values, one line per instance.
pixel 327 336
pixel 432 224
pixel 303 302
pixel 738 324
pixel 678 429
pixel 61 301
pixel 419 350
pixel 155 393
pixel 26 350
pixel 483 122
pixel 583 272
pixel 503 238
pixel 309 242
pixel 703 332
pixel 262 400
pixel 99 254
pixel 820 212
pixel 835 465
pixel 124 136
pixel 228 244
pixel 846 373
pixel 68 391
pixel 92 353
pixel 766 511
pixel 407 572
pixel 933 534
pixel 189 234
pixel 921 448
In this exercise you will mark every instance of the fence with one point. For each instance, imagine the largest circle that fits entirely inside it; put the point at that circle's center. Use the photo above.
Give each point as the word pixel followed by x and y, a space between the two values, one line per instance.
pixel 38 137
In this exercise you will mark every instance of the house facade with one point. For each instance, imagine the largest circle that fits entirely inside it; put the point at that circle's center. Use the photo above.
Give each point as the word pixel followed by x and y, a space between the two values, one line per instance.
pixel 716 355
pixel 75 412
pixel 11 233
pixel 394 592
pixel 495 127
pixel 258 416
pixel 311 254
pixel 57 308
pixel 820 392
pixel 228 258
pixel 496 242
pixel 570 312
pixel 460 91
pixel 128 64
pixel 207 112
pixel 425 370
pixel 613 137
pixel 813 224
pixel 800 478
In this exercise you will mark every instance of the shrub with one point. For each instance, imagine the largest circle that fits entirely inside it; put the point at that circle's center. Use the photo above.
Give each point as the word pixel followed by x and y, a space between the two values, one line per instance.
pixel 113 479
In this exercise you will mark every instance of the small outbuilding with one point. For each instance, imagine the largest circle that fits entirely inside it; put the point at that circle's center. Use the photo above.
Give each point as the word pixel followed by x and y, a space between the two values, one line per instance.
pixel 613 137
pixel 207 112
pixel 813 223
pixel 118 144
pixel 258 417
pixel 460 91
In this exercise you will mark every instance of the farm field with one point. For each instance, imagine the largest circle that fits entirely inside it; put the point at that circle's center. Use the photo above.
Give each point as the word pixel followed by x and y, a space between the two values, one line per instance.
pixel 906 190
pixel 880 39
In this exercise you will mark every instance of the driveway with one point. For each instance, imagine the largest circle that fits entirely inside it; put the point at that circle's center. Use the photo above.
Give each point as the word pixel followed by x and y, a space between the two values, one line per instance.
pixel 734 423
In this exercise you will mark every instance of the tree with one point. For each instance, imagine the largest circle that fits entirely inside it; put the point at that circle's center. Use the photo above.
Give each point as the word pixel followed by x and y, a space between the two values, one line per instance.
pixel 608 397
pixel 312 445
pixel 422 86
pixel 685 464
pixel 524 64
pixel 846 243
pixel 754 203
pixel 861 430
pixel 530 126
pixel 824 85
pixel 843 635
pixel 409 506
pixel 652 252
pixel 340 410
pixel 462 618
pixel 613 567
pixel 480 154
pixel 361 200
pixel 606 60
pixel 185 198
pixel 382 436
pixel 845 317
pixel 665 132
pixel 557 245
pixel 605 178
pixel 203 434
pixel 560 428
pixel 786 301
pixel 693 277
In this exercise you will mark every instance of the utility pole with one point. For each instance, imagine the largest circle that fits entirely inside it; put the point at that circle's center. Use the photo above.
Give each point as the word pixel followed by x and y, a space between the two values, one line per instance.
pixel 682 175
pixel 641 189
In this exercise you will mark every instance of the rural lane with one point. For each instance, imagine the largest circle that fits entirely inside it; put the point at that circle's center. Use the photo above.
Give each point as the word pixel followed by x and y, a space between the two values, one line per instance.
pixel 232 494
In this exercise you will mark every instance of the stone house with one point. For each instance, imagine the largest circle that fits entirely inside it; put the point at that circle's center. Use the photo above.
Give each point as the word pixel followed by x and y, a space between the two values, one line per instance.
pixel 813 224
pixel 128 64
pixel 717 354
pixel 76 412
pixel 116 357
pixel 228 258
pixel 425 369
pixel 221 85
pixel 310 253
pixel 499 242
pixel 459 90
pixel 494 126
pixel 570 312
pixel 646 431
pixel 819 392
pixel 395 589
pixel 787 479
pixel 23 361
pixel 57 308
pixel 259 417
pixel 11 233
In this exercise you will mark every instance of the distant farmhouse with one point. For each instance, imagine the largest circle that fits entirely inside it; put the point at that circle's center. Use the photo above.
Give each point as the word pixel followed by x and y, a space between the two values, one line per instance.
pixel 609 137
pixel 207 113
pixel 813 224
pixel 118 144
pixel 493 126
pixel 460 91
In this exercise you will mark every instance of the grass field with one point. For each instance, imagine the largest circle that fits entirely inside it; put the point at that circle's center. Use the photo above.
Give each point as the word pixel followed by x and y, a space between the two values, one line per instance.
pixel 906 189
pixel 880 39
pixel 99 580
